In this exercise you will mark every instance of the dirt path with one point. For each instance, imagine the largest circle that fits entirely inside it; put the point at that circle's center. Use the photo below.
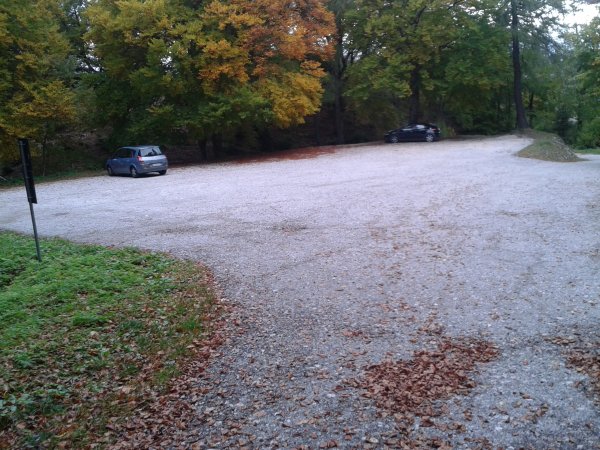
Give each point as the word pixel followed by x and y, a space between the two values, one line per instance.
pixel 338 262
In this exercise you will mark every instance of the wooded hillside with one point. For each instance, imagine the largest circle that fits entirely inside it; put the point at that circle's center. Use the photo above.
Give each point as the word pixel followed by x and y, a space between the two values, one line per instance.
pixel 221 76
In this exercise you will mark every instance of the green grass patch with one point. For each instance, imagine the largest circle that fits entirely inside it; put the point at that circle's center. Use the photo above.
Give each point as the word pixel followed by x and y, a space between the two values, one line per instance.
pixel 547 147
pixel 17 180
pixel 588 151
pixel 87 333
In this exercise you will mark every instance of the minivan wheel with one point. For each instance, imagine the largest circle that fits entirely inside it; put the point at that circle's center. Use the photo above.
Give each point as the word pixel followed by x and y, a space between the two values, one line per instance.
pixel 429 137
pixel 109 171
pixel 394 139
pixel 134 172
pixel 162 172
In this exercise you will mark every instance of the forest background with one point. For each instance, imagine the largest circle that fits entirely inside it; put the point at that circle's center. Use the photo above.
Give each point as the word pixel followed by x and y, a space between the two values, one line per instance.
pixel 207 79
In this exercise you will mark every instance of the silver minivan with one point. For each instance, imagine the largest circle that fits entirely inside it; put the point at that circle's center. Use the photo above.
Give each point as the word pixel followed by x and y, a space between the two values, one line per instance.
pixel 137 160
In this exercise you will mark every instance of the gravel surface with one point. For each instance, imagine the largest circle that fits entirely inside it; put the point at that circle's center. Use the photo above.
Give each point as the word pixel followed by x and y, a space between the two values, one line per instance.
pixel 337 262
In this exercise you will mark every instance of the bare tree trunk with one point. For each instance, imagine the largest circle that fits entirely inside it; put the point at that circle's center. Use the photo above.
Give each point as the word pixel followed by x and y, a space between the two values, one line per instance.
pixel 45 150
pixel 516 62
pixel 531 114
pixel 317 127
pixel 217 145
pixel 338 84
pixel 340 137
pixel 414 102
pixel 202 147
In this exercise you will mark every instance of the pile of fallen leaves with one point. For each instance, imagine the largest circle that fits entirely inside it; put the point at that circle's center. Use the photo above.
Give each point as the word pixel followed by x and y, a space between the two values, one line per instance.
pixel 408 389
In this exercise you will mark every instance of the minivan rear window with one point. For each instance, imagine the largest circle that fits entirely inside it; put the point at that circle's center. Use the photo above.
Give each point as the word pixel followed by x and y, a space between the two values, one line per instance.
pixel 150 151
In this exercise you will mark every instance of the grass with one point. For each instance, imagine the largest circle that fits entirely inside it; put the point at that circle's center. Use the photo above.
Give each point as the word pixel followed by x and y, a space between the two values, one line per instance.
pixel 588 151
pixel 547 147
pixel 87 333
pixel 15 181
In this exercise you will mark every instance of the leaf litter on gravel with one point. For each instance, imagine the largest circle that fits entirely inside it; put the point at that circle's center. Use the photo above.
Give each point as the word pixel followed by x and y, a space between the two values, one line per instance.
pixel 408 389
pixel 582 353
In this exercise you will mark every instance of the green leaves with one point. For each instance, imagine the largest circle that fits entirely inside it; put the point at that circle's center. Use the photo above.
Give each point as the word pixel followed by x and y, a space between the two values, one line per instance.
pixel 206 70
pixel 36 99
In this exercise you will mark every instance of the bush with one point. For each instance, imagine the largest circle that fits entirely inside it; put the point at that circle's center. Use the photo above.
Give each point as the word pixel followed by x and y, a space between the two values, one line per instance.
pixel 589 136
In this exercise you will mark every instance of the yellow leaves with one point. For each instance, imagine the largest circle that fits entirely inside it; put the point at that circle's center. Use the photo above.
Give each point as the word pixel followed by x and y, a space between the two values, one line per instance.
pixel 231 15
pixel 37 105
pixel 294 95
pixel 170 50
pixel 139 21
pixel 223 62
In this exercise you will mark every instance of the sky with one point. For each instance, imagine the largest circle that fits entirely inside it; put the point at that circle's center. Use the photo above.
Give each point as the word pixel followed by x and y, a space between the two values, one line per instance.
pixel 587 13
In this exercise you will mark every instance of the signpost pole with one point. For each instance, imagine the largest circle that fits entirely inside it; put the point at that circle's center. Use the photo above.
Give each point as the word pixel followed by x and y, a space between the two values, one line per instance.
pixel 30 187
pixel 35 233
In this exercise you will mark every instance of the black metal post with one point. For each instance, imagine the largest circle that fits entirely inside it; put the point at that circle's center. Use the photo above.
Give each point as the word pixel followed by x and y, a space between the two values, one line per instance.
pixel 35 233
pixel 30 187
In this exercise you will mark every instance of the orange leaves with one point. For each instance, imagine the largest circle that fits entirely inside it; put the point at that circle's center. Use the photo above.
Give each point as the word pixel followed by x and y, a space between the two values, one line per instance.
pixel 223 60
pixel 274 31
pixel 273 46
pixel 216 64
pixel 409 388
pixel 231 15
pixel 291 30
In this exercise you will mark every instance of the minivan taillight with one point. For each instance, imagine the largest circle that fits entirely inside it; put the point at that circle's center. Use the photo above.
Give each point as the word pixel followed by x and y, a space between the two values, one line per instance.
pixel 140 159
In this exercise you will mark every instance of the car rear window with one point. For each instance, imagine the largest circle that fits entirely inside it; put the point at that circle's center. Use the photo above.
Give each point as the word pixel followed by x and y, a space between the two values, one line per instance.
pixel 150 151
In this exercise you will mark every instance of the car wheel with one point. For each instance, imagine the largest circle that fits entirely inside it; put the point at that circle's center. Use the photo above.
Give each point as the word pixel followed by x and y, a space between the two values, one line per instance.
pixel 162 172
pixel 109 171
pixel 394 139
pixel 134 173
pixel 429 137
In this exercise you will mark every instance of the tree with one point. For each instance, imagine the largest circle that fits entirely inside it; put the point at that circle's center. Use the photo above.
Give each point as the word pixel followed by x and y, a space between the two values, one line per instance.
pixel 587 56
pixel 531 23
pixel 36 98
pixel 516 63
pixel 401 43
pixel 202 70
pixel 472 80
pixel 337 68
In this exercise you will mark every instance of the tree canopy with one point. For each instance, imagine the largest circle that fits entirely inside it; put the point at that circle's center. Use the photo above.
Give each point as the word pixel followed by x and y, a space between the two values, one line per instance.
pixel 221 73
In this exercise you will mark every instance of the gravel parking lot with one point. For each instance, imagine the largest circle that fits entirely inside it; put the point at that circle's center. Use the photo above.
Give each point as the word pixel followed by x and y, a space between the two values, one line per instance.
pixel 339 261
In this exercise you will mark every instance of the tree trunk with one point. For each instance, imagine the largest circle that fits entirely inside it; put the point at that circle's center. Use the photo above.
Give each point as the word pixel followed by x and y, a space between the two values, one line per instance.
pixel 516 62
pixel 202 147
pixel 530 112
pixel 217 145
pixel 338 83
pixel 414 102
pixel 340 137
pixel 265 140
pixel 317 127
pixel 45 150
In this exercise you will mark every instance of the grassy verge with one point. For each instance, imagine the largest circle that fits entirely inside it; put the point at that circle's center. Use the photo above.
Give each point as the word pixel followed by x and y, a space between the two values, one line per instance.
pixel 547 147
pixel 588 151
pixel 87 333
pixel 14 181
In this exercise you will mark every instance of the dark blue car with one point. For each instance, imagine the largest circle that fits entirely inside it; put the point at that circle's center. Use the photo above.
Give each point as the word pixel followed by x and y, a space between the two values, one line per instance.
pixel 137 160
pixel 414 132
